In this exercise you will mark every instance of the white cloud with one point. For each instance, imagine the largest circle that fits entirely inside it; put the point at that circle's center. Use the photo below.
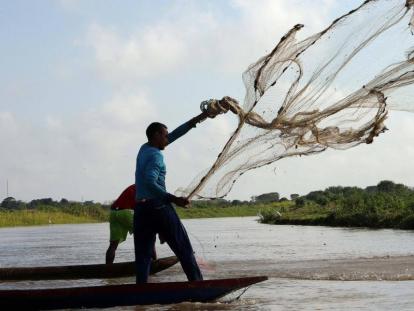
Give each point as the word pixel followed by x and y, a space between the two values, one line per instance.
pixel 143 54
pixel 53 123
pixel 7 122
pixel 128 109
pixel 91 155
pixel 199 37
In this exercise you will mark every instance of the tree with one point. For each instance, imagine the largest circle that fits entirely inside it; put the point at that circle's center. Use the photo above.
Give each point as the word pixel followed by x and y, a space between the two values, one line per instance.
pixel 294 196
pixel 236 202
pixel 267 197
pixel 300 202
pixel 9 203
pixel 39 202
pixel 371 189
pixel 386 186
pixel 317 197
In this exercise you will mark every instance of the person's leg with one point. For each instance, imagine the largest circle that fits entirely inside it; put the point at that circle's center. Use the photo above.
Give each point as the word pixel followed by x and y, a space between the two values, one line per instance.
pixel 162 240
pixel 110 253
pixel 144 241
pixel 154 253
pixel 120 222
pixel 174 233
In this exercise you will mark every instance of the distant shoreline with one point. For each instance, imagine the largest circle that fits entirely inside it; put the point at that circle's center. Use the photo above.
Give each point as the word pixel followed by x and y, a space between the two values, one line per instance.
pixel 278 213
pixel 41 217
pixel 386 205
pixel 37 218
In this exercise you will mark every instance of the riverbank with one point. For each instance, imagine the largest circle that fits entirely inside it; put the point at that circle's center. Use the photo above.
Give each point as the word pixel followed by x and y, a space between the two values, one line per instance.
pixel 386 205
pixel 36 218
pixel 46 216
pixel 278 213
pixel 69 213
pixel 332 215
pixel 226 211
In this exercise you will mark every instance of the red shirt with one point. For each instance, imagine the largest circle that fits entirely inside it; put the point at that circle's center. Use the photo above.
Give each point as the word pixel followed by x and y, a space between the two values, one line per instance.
pixel 126 200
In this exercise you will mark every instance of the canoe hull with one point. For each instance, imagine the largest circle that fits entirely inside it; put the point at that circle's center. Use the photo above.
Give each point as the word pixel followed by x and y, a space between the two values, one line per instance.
pixel 99 271
pixel 122 295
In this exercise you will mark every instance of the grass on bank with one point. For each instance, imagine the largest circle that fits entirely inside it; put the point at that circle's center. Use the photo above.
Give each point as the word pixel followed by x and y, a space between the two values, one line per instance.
pixel 386 205
pixel 45 215
pixel 34 217
pixel 308 214
pixel 336 215
pixel 225 210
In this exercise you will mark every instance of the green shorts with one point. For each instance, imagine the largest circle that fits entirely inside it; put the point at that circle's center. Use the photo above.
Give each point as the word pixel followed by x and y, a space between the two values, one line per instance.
pixel 120 223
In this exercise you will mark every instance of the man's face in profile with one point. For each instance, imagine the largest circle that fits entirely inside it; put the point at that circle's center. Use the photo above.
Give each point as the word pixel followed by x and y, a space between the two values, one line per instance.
pixel 162 138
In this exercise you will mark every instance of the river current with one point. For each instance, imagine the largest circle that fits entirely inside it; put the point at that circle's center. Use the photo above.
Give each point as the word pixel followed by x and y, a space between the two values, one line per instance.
pixel 309 267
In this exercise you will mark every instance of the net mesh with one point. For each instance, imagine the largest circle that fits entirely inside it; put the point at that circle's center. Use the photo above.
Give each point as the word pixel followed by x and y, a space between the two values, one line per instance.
pixel 333 89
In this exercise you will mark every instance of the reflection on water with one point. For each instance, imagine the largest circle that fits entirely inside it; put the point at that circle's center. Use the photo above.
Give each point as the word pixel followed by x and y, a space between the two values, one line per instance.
pixel 306 265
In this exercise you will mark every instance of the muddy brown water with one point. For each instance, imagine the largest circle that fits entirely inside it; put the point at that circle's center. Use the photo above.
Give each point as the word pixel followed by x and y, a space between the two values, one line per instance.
pixel 309 268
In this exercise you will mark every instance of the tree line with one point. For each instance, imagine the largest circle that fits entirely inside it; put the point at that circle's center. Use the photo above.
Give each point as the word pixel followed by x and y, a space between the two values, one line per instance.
pixel 10 203
pixel 385 205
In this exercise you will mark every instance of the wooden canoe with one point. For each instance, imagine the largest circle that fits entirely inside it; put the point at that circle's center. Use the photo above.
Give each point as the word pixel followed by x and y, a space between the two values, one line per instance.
pixel 99 271
pixel 122 295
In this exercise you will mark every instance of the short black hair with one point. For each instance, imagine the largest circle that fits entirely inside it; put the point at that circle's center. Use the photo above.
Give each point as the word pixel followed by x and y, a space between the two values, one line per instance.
pixel 153 128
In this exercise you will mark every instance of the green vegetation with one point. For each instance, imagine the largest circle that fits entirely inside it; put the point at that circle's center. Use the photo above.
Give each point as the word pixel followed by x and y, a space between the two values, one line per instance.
pixel 34 217
pixel 387 205
pixel 222 208
pixel 47 211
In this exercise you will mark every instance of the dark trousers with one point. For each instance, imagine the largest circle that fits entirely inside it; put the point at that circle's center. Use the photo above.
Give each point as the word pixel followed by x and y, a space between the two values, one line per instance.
pixel 149 220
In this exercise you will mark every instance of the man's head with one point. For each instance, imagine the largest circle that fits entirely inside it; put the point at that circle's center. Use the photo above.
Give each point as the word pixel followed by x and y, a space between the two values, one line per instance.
pixel 157 135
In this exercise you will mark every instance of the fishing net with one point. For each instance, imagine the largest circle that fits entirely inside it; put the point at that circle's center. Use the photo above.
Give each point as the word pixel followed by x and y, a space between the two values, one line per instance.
pixel 333 89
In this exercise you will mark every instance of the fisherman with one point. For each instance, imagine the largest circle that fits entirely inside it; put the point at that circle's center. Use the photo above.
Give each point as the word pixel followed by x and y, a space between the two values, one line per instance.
pixel 154 212
pixel 121 222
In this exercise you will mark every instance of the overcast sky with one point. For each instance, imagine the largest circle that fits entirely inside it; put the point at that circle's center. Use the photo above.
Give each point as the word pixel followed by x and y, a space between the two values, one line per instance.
pixel 81 80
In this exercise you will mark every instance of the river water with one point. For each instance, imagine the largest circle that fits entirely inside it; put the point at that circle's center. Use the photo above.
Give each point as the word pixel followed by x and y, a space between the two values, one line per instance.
pixel 309 268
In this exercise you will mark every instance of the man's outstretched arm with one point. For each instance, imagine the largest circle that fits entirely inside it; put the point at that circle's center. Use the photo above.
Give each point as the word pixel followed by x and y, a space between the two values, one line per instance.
pixel 184 128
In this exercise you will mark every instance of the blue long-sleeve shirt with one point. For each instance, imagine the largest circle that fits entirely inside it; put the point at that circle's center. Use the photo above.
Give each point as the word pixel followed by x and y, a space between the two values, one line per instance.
pixel 151 170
